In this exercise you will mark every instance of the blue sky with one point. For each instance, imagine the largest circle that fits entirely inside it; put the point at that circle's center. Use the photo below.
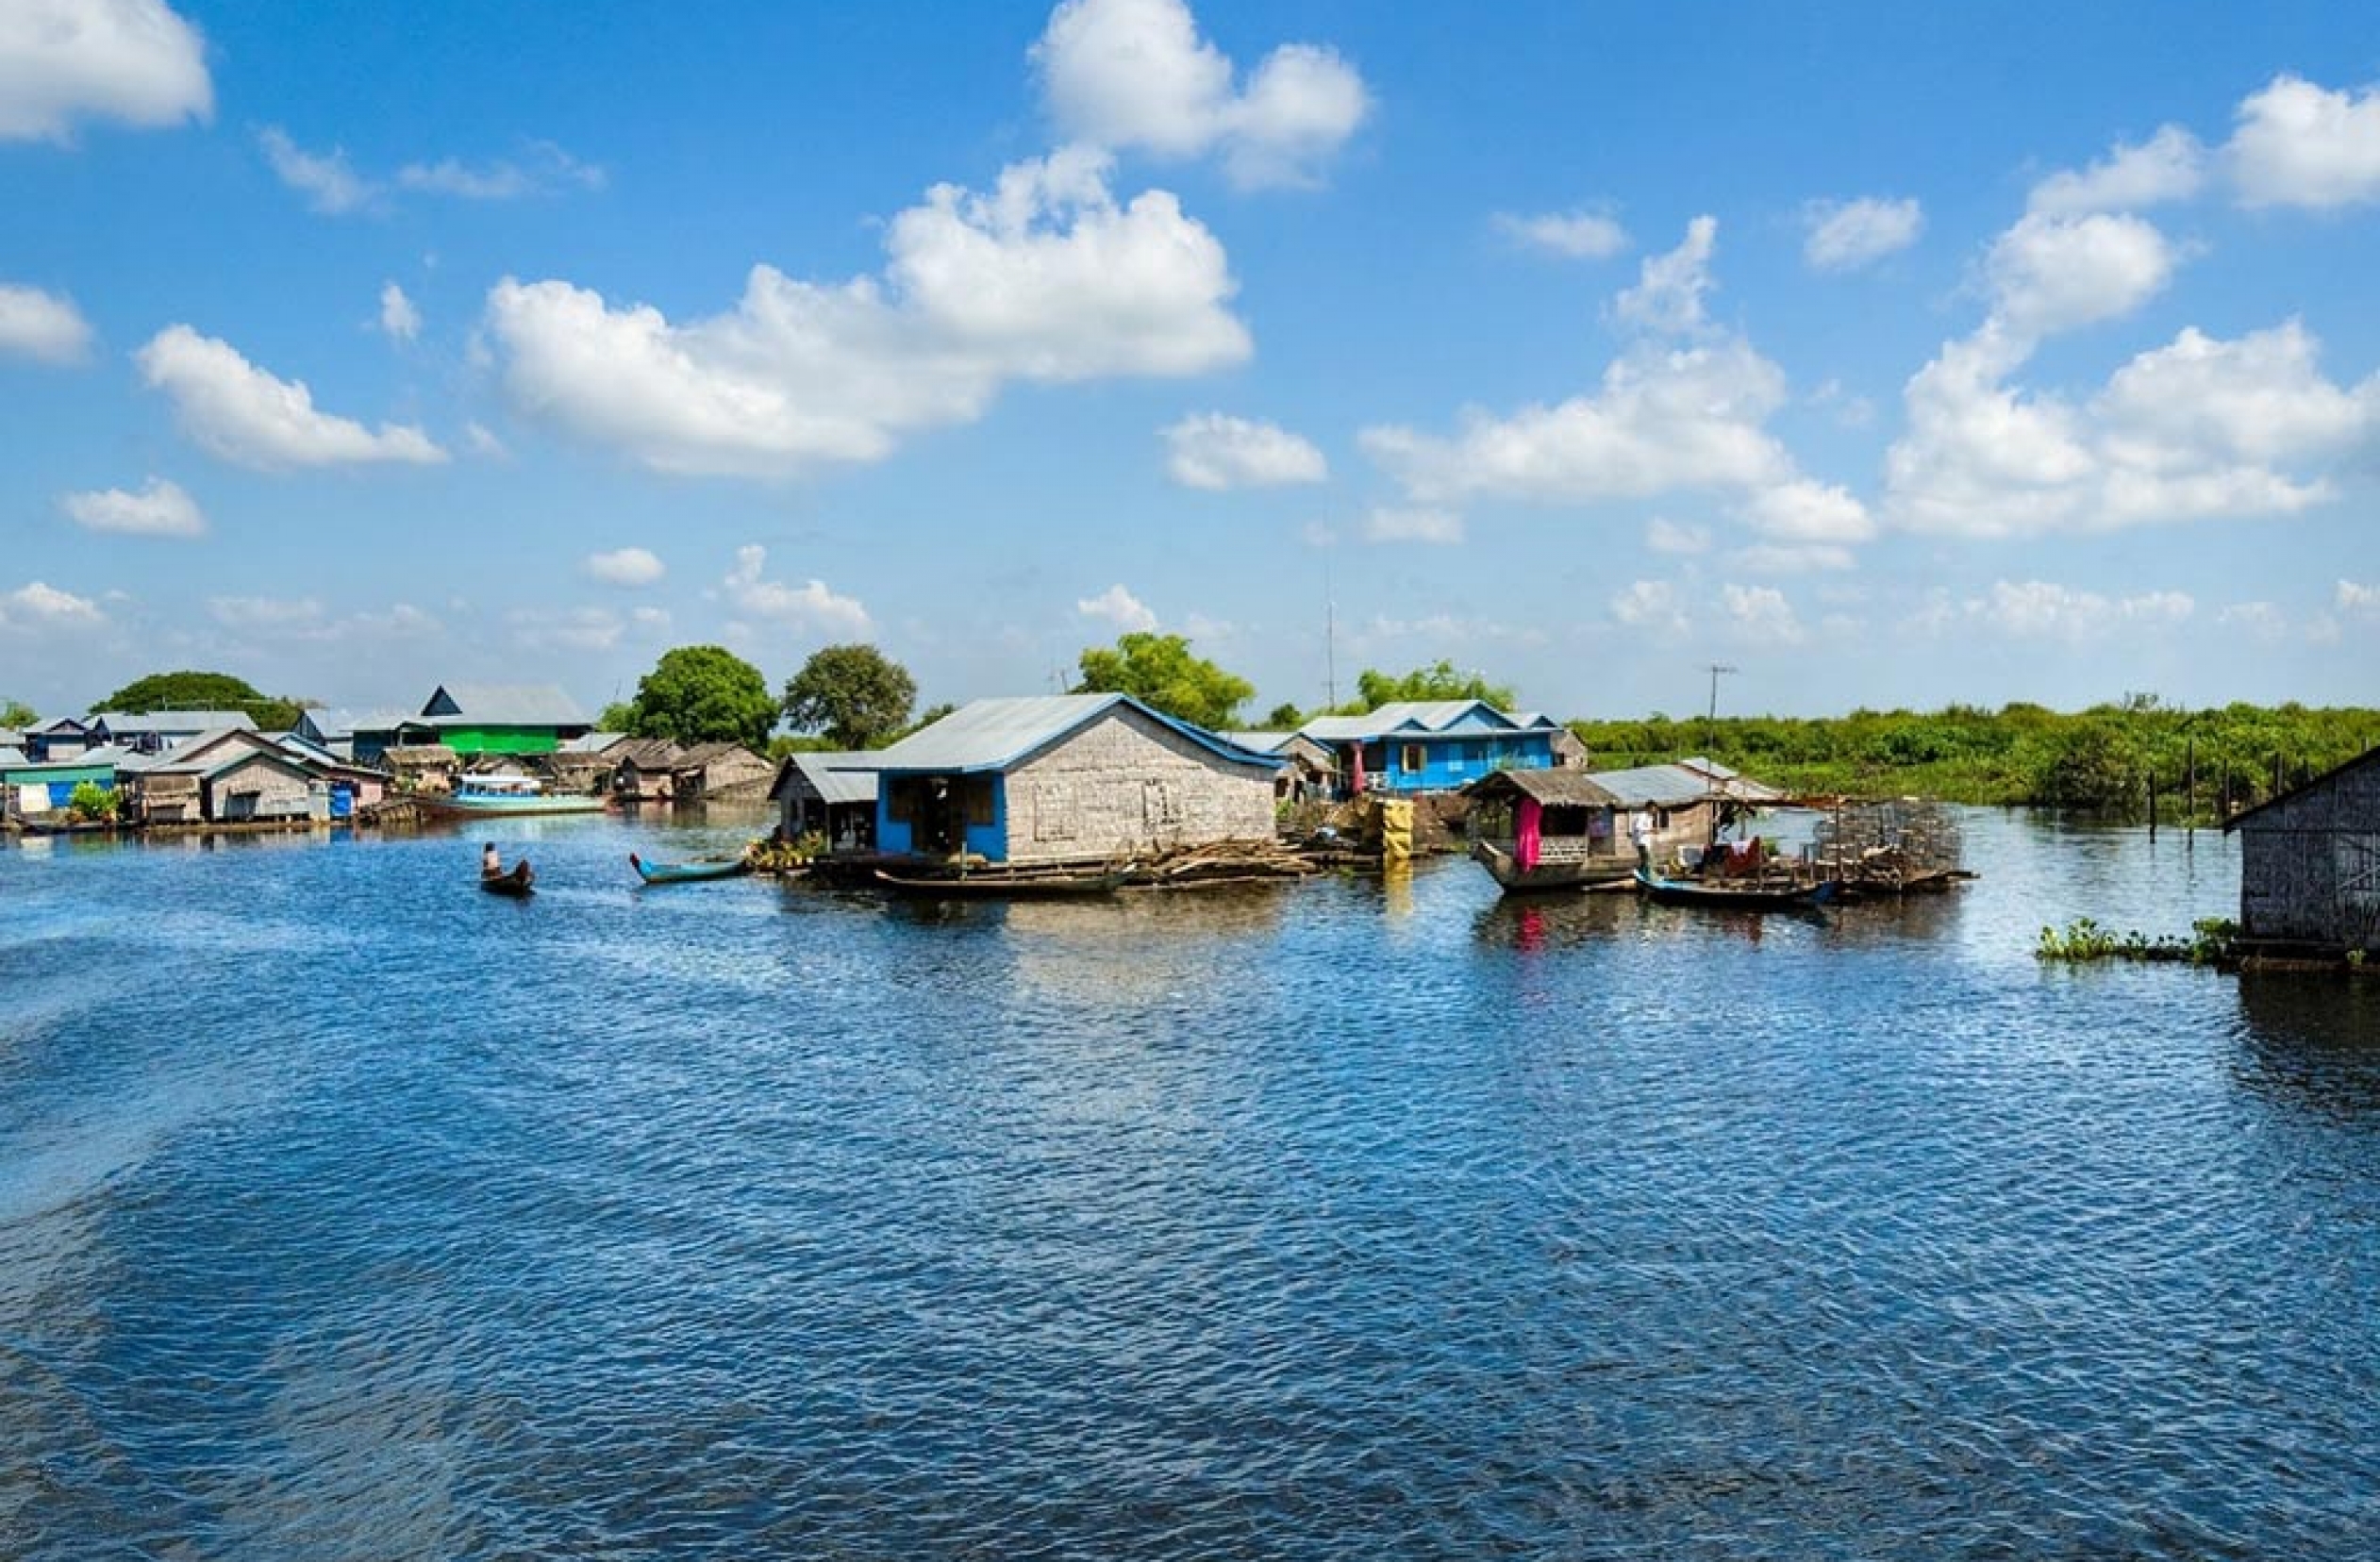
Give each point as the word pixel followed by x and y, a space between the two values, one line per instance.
pixel 1892 355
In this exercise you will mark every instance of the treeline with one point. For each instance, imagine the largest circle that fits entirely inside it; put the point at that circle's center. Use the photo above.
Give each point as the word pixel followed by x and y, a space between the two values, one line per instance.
pixel 2108 758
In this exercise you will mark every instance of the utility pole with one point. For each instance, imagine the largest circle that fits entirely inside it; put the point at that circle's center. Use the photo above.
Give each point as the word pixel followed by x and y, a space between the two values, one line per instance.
pixel 1330 639
pixel 1715 669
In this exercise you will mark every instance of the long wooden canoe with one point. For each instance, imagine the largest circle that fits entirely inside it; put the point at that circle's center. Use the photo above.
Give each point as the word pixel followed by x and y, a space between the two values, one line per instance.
pixel 689 873
pixel 516 883
pixel 1744 897
pixel 1025 885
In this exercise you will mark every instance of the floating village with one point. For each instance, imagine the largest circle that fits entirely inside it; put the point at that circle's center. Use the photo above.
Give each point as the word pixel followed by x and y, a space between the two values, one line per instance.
pixel 1084 795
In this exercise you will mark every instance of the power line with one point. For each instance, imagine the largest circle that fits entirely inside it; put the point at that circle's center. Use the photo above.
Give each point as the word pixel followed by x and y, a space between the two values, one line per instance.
pixel 1715 669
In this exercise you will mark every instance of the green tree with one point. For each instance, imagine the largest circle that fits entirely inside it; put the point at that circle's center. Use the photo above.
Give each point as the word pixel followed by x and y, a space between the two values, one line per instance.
pixel 89 800
pixel 702 694
pixel 203 691
pixel 615 717
pixel 16 713
pixel 1438 681
pixel 1159 671
pixel 855 694
pixel 1283 718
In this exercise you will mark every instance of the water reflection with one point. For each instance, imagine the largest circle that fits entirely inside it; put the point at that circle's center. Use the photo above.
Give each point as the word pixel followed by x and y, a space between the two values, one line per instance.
pixel 2313 1040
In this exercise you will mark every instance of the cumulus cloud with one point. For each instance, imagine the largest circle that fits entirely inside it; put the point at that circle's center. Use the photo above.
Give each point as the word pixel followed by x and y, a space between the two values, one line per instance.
pixel 2261 621
pixel 1761 616
pixel 2169 166
pixel 43 327
pixel 1800 510
pixel 1846 235
pixel 626 567
pixel 1794 557
pixel 37 606
pixel 2357 599
pixel 2297 145
pixel 160 509
pixel 810 606
pixel 1213 451
pixel 1046 279
pixel 131 60
pixel 245 415
pixel 2199 428
pixel 1579 235
pixel 1668 297
pixel 2053 273
pixel 2045 610
pixel 1664 536
pixel 1135 74
pixel 1118 606
pixel 1653 605
pixel 399 320
pixel 1438 526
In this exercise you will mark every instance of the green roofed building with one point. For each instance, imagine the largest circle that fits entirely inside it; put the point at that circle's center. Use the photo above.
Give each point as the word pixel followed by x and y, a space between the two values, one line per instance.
pixel 474 719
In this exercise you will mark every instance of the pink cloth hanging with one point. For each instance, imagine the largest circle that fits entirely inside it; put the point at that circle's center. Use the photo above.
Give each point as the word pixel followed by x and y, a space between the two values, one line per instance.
pixel 1528 836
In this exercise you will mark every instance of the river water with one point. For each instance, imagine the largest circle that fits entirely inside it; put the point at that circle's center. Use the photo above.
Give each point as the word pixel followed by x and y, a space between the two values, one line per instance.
pixel 346 1212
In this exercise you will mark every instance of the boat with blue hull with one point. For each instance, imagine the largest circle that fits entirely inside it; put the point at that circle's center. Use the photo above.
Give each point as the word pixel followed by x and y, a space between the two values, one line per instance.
pixel 689 873
pixel 508 796
pixel 1740 896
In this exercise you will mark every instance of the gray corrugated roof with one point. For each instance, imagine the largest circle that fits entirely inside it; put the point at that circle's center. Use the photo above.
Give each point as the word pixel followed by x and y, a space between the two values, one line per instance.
pixel 161 721
pixel 841 776
pixel 592 742
pixel 1659 786
pixel 505 704
pixel 13 756
pixel 995 734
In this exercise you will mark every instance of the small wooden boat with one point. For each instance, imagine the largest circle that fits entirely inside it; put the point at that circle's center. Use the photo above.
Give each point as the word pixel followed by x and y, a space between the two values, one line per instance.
pixel 1569 874
pixel 489 796
pixel 516 883
pixel 1024 886
pixel 689 873
pixel 1745 895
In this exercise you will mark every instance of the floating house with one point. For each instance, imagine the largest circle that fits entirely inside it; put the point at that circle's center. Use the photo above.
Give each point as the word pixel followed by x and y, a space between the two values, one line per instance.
pixel 720 772
pixel 644 769
pixel 831 793
pixel 59 737
pixel 476 719
pixel 155 731
pixel 1550 829
pixel 1308 769
pixel 1432 745
pixel 1067 778
pixel 2309 865
pixel 422 767
pixel 363 736
pixel 32 786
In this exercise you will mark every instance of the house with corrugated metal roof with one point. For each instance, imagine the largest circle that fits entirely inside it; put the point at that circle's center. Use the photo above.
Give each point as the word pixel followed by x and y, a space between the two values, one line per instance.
pixel 1067 778
pixel 59 737
pixel 1432 745
pixel 155 731
pixel 830 793
pixel 2309 865
pixel 720 772
pixel 474 719
pixel 31 786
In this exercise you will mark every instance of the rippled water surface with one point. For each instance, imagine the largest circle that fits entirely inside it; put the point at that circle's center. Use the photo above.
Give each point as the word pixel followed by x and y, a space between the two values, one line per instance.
pixel 348 1212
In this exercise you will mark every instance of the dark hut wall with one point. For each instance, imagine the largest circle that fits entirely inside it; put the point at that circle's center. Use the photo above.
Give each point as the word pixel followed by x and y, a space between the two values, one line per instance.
pixel 2309 868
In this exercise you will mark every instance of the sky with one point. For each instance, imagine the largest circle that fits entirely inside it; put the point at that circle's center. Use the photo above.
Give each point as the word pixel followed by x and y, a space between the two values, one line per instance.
pixel 1884 355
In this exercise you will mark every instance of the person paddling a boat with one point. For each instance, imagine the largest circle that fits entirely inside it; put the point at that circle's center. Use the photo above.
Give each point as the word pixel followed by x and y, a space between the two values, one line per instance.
pixel 491 864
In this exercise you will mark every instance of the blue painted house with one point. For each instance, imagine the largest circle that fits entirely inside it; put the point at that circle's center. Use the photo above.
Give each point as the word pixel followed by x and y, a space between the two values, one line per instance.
pixel 1067 778
pixel 1433 745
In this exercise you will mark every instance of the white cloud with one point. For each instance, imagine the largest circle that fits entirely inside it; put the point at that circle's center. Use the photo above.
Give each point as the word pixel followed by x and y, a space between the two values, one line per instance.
pixel 1668 297
pixel 41 326
pixel 546 169
pixel 2358 600
pixel 1651 605
pixel 2169 166
pixel 1662 421
pixel 1664 536
pixel 1046 279
pixel 2260 621
pixel 2053 273
pixel 1442 527
pixel 399 320
pixel 332 184
pixel 36 606
pixel 1130 75
pixel 626 567
pixel 566 630
pixel 1213 451
pixel 265 615
pixel 1804 512
pixel 1846 235
pixel 484 442
pixel 160 509
pixel 245 414
pixel 1579 234
pixel 2041 609
pixel 2199 428
pixel 133 60
pixel 1120 608
pixel 2303 145
pixel 326 181
pixel 811 607
pixel 1792 557
pixel 1761 616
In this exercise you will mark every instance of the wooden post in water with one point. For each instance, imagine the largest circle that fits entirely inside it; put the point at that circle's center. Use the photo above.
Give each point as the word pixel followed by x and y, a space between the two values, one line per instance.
pixel 2152 802
pixel 2190 786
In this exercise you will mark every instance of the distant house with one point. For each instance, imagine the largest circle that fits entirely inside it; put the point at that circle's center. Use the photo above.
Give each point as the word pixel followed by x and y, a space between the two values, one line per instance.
pixel 59 737
pixel 644 769
pixel 1067 778
pixel 251 786
pixel 1686 807
pixel 831 793
pixel 2309 865
pixel 155 731
pixel 31 786
pixel 1432 745
pixel 363 736
pixel 476 719
pixel 422 767
pixel 720 772
pixel 1307 768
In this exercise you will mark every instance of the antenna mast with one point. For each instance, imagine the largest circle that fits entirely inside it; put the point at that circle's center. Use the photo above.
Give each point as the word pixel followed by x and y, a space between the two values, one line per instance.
pixel 1330 638
pixel 1715 669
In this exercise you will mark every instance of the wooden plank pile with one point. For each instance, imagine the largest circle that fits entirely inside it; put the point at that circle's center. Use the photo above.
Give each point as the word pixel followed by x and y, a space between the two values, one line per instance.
pixel 1219 862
